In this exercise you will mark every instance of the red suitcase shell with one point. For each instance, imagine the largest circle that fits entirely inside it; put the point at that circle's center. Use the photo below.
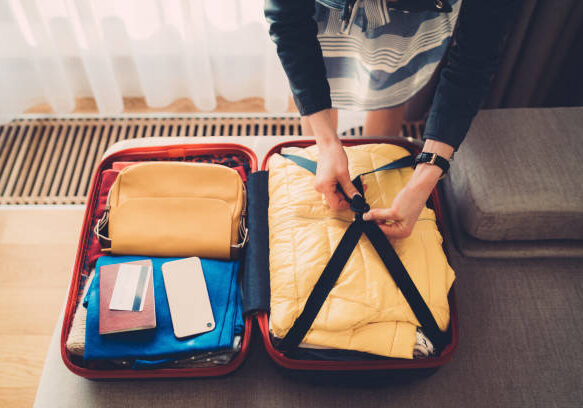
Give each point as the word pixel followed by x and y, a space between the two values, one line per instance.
pixel 188 152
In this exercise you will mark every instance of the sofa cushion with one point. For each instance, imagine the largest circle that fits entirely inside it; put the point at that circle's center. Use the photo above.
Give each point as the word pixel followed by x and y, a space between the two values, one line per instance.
pixel 473 247
pixel 519 175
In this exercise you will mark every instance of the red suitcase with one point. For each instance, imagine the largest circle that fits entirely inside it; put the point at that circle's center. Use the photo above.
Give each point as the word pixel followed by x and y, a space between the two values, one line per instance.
pixel 236 156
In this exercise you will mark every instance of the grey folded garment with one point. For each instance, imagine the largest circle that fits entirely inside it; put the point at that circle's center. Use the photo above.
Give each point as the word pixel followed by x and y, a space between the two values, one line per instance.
pixel 76 343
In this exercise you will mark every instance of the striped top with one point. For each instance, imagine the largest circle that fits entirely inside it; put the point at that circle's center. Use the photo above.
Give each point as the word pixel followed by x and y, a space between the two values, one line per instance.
pixel 381 57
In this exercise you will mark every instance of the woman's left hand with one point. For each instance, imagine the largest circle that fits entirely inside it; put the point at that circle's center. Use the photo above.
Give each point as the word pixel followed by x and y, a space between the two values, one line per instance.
pixel 399 220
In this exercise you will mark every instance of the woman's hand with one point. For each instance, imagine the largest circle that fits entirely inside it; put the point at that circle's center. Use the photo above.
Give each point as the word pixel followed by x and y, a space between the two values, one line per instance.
pixel 333 170
pixel 399 220
pixel 332 161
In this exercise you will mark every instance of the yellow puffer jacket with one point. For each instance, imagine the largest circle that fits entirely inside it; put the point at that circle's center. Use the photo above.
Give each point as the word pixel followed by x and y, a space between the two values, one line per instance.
pixel 365 311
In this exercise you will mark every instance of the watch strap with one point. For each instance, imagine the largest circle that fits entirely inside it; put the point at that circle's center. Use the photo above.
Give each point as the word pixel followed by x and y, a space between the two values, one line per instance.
pixel 432 158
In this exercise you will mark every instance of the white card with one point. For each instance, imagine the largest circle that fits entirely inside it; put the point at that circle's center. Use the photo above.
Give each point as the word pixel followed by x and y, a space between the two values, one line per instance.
pixel 131 285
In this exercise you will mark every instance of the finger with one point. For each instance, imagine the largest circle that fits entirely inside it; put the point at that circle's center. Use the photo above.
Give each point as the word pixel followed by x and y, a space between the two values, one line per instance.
pixel 380 214
pixel 334 200
pixel 347 186
pixel 321 186
pixel 394 231
pixel 328 190
pixel 343 204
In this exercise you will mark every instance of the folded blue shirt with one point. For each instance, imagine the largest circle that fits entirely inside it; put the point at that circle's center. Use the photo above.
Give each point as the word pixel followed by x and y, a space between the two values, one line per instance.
pixel 225 297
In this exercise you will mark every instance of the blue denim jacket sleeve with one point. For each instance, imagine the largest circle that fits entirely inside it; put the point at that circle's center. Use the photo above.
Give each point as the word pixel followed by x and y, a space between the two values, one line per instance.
pixel 471 63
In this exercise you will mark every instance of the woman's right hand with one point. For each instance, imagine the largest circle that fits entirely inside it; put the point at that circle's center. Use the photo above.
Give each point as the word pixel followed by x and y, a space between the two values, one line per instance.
pixel 332 162
pixel 333 170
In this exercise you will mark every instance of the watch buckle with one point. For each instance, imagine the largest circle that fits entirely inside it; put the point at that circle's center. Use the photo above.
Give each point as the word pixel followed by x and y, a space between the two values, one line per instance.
pixel 433 158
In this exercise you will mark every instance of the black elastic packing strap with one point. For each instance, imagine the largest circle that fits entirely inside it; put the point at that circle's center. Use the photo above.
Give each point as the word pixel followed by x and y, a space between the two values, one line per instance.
pixel 342 253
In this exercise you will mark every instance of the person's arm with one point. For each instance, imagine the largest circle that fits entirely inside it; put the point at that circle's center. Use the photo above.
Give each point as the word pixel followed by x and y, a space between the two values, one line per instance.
pixel 399 220
pixel 462 86
pixel 471 64
pixel 332 162
pixel 294 31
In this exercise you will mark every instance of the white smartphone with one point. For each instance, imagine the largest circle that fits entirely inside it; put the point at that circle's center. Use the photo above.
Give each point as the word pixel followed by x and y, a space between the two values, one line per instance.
pixel 188 298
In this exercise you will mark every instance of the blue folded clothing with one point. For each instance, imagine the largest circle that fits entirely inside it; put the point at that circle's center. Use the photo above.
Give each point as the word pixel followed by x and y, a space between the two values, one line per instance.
pixel 225 297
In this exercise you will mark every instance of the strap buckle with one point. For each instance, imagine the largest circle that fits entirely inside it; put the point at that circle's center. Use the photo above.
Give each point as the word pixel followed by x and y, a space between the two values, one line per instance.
pixel 359 205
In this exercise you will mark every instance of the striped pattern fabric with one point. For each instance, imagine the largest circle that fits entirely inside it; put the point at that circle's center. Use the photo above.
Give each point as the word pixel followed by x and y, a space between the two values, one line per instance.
pixel 382 57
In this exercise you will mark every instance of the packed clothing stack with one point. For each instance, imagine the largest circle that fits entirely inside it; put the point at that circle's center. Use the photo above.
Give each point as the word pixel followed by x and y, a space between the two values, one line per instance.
pixel 365 311
pixel 161 346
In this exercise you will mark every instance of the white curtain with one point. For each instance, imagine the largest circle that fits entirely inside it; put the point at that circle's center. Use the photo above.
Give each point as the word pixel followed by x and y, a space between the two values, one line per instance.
pixel 53 51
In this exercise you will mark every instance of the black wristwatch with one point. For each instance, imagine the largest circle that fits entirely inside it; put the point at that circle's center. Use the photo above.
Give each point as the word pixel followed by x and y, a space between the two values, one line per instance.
pixel 432 158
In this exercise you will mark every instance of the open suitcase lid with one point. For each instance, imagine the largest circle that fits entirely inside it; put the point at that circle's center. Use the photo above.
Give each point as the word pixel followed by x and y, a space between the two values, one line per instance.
pixel 255 284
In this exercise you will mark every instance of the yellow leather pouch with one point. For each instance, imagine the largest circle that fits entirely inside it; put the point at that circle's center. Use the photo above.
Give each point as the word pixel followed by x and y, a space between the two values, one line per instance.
pixel 175 209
